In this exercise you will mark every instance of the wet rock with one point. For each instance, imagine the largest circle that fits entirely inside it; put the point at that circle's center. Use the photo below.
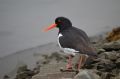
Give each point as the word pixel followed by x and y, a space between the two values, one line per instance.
pixel 115 45
pixel 87 74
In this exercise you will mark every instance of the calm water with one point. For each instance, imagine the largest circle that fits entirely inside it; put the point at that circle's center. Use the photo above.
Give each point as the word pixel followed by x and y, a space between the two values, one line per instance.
pixel 21 21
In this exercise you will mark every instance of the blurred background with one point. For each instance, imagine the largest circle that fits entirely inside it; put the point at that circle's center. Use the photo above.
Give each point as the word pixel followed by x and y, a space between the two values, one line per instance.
pixel 22 21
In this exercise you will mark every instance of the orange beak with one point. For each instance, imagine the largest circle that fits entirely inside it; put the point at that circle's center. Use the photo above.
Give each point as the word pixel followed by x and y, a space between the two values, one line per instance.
pixel 50 27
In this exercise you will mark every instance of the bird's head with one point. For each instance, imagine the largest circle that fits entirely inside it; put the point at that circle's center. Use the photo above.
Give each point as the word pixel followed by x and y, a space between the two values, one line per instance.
pixel 61 23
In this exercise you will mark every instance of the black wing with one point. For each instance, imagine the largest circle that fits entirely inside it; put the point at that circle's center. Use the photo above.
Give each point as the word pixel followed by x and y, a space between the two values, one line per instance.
pixel 76 39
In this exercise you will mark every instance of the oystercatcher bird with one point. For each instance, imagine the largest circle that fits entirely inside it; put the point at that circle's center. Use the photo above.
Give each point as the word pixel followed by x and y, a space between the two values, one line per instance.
pixel 72 40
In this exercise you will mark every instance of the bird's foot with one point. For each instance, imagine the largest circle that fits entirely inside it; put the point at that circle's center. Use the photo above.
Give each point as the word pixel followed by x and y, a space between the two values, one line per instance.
pixel 69 66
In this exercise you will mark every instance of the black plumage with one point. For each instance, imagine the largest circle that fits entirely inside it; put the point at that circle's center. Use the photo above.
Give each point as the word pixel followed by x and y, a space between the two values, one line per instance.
pixel 73 37
pixel 76 39
pixel 73 40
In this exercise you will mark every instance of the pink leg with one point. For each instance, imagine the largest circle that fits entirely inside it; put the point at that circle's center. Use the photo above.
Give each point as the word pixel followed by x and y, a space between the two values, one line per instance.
pixel 69 64
pixel 80 62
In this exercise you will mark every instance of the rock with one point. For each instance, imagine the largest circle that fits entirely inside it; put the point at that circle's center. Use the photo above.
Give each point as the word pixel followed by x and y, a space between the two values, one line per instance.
pixel 114 35
pixel 37 68
pixel 102 56
pixel 105 65
pixel 6 77
pixel 22 68
pixel 87 74
pixel 115 45
pixel 54 56
pixel 106 75
pixel 115 71
pixel 47 61
pixel 66 78
pixel 111 55
pixel 90 63
pixel 118 76
pixel 118 54
pixel 118 62
pixel 55 75
pixel 99 51
pixel 58 57
pixel 24 73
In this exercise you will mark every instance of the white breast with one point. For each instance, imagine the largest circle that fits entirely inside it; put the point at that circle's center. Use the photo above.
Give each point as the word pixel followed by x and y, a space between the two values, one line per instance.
pixel 66 50
pixel 59 35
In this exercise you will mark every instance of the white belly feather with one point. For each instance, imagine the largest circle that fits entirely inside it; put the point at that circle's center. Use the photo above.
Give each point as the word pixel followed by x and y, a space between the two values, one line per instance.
pixel 66 50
